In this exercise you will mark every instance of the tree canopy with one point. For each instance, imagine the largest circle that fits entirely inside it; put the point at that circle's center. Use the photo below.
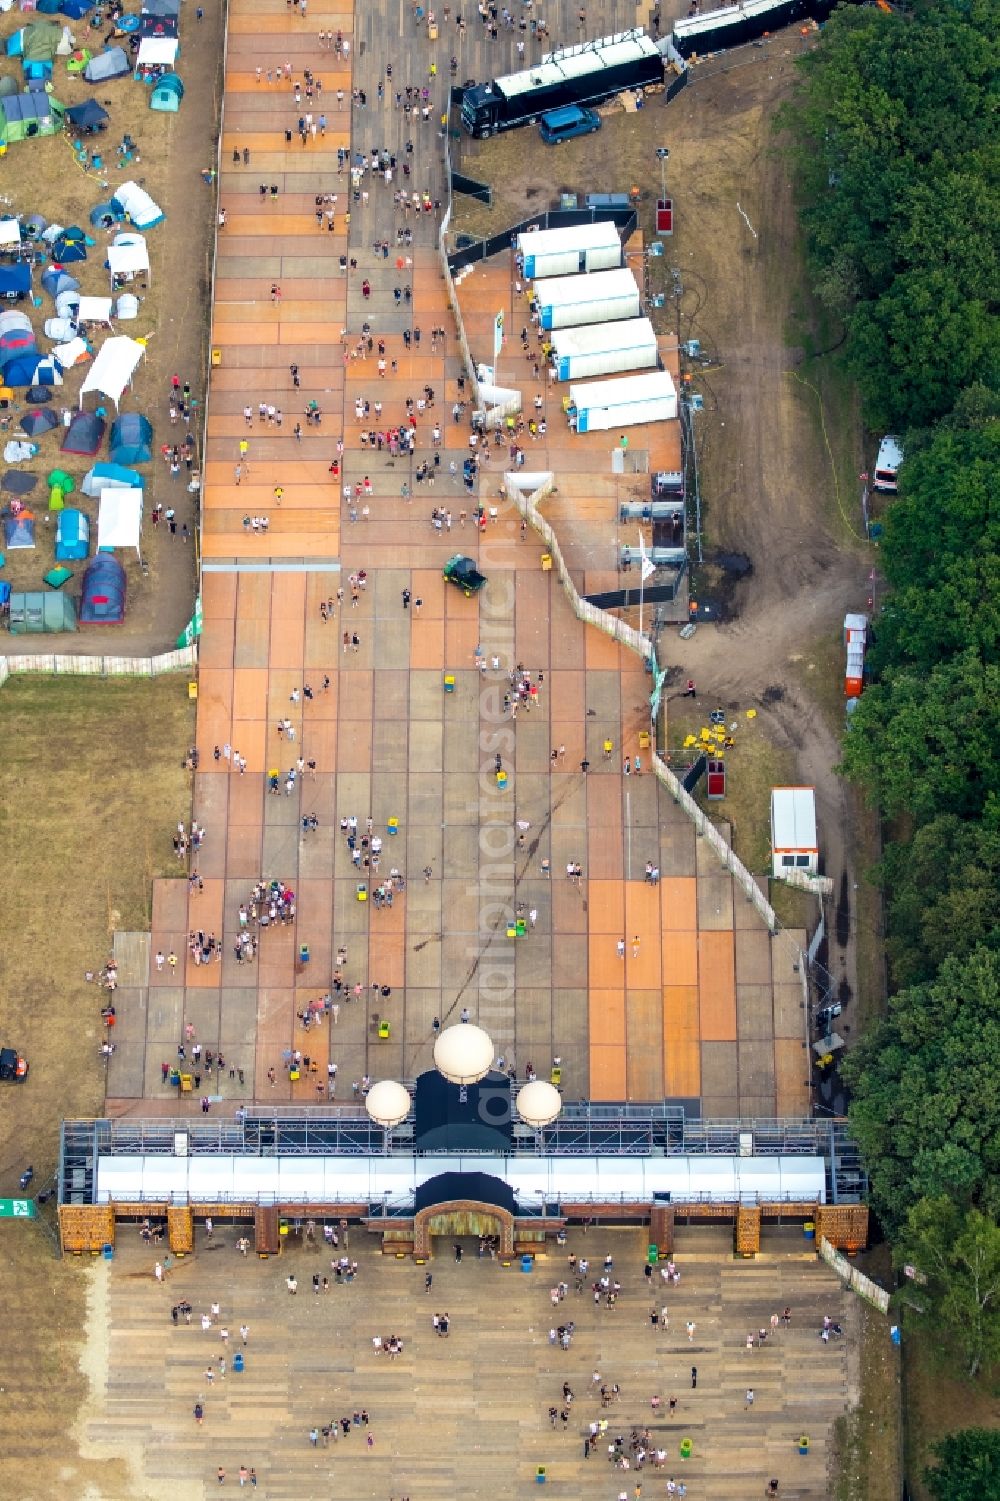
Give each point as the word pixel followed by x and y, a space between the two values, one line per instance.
pixel 926 1105
pixel 898 166
pixel 942 893
pixel 925 743
pixel 968 1467
pixel 957 1255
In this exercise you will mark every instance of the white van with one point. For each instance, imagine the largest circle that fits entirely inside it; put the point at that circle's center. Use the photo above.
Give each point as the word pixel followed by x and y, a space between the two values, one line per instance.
pixel 890 456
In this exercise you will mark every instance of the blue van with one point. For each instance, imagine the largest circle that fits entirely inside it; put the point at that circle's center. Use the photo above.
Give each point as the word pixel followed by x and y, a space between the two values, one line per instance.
pixel 562 124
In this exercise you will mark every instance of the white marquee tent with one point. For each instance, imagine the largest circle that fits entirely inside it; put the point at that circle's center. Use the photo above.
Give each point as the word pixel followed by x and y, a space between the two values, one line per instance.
pixel 158 51
pixel 119 519
pixel 113 367
pixel 94 310
pixel 128 256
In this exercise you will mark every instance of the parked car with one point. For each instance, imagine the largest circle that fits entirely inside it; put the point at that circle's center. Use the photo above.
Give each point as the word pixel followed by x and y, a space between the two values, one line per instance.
pixel 563 124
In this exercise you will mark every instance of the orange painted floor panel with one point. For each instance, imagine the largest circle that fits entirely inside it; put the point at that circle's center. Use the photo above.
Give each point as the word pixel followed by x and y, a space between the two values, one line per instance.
pixel 680 958
pixel 679 903
pixel 608 1073
pixel 717 986
pixel 681 1042
pixel 607 1018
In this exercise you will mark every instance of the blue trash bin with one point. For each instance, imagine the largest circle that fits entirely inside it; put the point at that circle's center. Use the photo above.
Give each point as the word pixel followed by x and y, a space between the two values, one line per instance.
pixel 108 1252
pixel 238 1362
pixel 526 1263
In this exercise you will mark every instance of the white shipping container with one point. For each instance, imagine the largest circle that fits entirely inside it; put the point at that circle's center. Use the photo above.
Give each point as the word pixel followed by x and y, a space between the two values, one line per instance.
pixel 623 403
pixel 566 252
pixel 603 297
pixel 604 348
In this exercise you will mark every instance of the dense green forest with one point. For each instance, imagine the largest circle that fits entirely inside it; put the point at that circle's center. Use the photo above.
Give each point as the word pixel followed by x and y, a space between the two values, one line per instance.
pixel 897 154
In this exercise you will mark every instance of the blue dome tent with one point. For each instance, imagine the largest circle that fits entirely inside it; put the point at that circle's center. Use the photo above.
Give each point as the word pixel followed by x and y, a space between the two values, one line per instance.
pixel 84 434
pixel 103 599
pixel 131 440
pixel 72 536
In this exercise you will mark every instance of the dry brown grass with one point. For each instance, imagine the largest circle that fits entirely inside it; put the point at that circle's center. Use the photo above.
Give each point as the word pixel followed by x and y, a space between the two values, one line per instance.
pixel 753 767
pixel 90 783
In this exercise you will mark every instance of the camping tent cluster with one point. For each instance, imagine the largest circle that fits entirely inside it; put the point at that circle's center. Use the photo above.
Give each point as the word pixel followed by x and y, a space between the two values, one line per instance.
pixel 104 516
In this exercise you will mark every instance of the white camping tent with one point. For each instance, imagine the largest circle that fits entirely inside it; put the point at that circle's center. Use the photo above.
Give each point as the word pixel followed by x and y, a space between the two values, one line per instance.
pixel 127 306
pixel 10 234
pixel 119 519
pixel 113 368
pixel 158 51
pixel 94 310
pixel 128 256
pixel 71 353
pixel 137 204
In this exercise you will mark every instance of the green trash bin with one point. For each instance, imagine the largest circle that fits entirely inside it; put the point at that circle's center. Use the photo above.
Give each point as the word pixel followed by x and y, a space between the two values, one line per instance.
pixel 652 1254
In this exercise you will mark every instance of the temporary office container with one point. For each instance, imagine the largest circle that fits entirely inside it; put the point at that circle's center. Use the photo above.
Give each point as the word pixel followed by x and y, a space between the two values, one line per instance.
pixel 623 403
pixel 600 297
pixel 604 348
pixel 855 645
pixel 793 830
pixel 565 252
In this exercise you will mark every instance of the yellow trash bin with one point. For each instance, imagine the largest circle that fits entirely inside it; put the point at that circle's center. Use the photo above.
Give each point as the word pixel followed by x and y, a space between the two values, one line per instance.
pixel 216 358
pixel 546 562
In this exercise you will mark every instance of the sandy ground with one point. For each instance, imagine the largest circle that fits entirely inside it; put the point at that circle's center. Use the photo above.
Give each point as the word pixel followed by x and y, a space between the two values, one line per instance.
pixel 44 176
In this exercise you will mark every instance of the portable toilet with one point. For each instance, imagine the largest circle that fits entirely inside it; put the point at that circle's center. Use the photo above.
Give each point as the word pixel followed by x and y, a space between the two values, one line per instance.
pixel 793 830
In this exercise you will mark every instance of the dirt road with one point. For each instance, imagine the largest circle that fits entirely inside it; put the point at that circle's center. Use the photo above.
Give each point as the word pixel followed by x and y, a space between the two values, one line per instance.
pixel 769 479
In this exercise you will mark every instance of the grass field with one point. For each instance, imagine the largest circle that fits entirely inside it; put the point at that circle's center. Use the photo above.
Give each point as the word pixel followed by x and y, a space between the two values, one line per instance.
pixel 753 767
pixel 91 784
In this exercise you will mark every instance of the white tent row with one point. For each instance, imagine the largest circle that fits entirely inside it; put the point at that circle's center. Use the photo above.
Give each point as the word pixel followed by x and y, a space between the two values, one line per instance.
pixel 224 1176
pixel 119 519
pixel 113 367
pixel 158 51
